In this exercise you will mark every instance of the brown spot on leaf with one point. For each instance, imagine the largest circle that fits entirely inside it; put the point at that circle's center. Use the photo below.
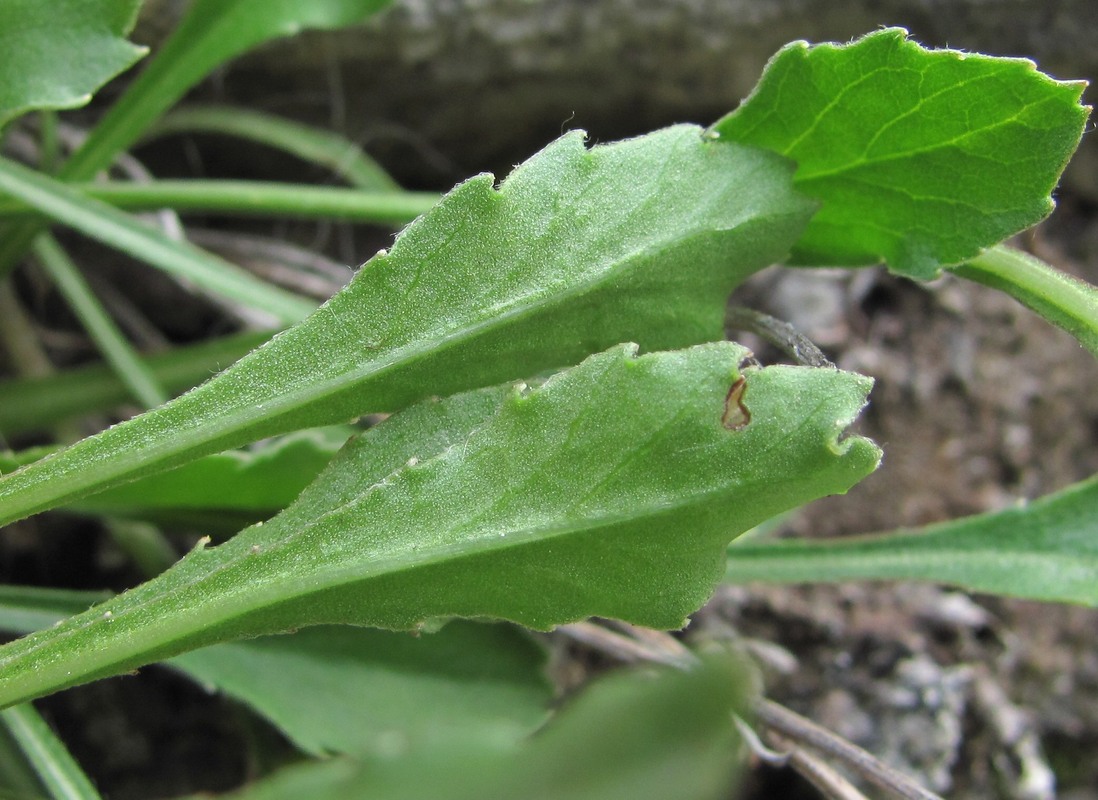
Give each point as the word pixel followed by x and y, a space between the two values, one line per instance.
pixel 736 416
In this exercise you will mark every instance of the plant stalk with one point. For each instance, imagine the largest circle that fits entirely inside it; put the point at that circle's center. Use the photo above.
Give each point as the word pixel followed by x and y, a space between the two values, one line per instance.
pixel 1064 301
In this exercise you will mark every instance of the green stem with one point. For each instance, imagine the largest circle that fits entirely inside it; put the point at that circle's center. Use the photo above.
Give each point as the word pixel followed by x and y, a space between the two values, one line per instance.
pixel 127 364
pixel 248 197
pixel 51 146
pixel 315 145
pixel 35 404
pixel 28 358
pixel 55 767
pixel 119 230
pixel 1065 301
pixel 18 337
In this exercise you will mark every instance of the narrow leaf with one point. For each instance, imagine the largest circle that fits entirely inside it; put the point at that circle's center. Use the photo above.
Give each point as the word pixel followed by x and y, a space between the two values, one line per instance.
pixel 576 251
pixel 115 228
pixel 646 735
pixel 1047 550
pixel 24 609
pixel 920 158
pixel 285 200
pixel 612 490
pixel 110 340
pixel 56 54
pixel 17 778
pixel 213 32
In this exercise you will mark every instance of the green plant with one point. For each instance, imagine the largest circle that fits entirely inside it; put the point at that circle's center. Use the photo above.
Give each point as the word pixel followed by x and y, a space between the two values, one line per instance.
pixel 608 485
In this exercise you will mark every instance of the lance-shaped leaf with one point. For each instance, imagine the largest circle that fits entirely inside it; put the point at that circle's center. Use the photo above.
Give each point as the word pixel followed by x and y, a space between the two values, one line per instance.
pixel 249 484
pixel 611 490
pixel 56 54
pixel 577 250
pixel 1046 550
pixel 920 158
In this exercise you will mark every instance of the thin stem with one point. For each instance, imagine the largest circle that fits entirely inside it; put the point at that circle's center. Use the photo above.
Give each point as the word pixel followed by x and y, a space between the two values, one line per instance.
pixel 830 783
pixel 127 364
pixel 807 733
pixel 778 333
pixel 144 543
pixel 266 198
pixel 117 229
pixel 56 769
pixel 613 644
pixel 1064 301
pixel 18 337
pixel 39 403
pixel 50 147
pixel 316 145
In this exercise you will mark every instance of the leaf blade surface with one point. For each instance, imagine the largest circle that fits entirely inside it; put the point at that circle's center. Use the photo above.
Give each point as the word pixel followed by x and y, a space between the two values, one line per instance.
pixel 920 158
pixel 55 55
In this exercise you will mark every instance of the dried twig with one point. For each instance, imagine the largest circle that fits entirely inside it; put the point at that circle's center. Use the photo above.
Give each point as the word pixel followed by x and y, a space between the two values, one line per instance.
pixel 806 733
pixel 606 641
pixel 816 771
pixel 778 333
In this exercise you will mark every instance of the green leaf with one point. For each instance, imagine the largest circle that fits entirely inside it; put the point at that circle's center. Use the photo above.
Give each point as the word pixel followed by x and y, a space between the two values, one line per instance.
pixel 55 55
pixel 1047 550
pixel 576 251
pixel 285 200
pixel 645 735
pixel 213 32
pixel 612 491
pixel 18 779
pixel 182 259
pixel 108 337
pixel 339 689
pixel 920 158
